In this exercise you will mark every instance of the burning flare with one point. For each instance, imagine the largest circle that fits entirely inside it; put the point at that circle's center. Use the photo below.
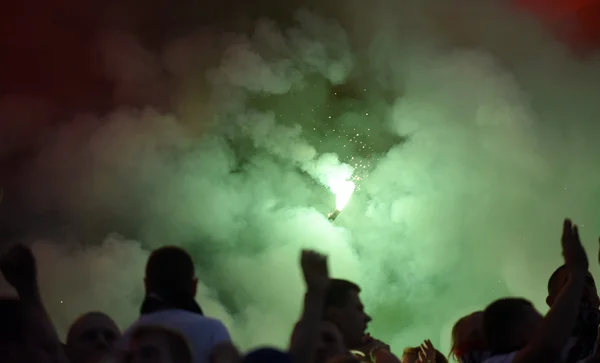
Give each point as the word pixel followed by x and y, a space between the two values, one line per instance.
pixel 343 190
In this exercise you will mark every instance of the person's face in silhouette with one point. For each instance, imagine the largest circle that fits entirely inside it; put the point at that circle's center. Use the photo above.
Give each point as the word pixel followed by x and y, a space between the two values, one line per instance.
pixel 92 337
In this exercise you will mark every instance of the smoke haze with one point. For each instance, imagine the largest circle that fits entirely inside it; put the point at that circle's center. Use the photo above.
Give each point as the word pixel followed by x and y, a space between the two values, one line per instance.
pixel 469 131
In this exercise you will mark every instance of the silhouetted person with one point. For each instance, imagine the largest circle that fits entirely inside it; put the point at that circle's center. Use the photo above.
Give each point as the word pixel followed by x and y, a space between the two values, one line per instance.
pixel 26 331
pixel 171 285
pixel 92 338
pixel 468 342
pixel 583 338
pixel 345 310
pixel 516 332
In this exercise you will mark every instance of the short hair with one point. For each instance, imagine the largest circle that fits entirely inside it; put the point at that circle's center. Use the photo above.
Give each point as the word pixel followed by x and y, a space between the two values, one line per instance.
pixel 439 357
pixel 177 343
pixel 499 319
pixel 338 292
pixel 82 318
pixel 554 277
pixel 169 268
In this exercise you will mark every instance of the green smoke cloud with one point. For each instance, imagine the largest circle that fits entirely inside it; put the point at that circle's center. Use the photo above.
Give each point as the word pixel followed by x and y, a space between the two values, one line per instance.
pixel 469 131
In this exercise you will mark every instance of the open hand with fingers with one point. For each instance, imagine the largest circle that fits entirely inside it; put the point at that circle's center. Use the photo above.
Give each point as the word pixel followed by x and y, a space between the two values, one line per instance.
pixel 576 260
pixel 427 352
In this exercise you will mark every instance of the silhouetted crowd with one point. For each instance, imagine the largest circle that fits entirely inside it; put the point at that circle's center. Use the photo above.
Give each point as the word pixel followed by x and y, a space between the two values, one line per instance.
pixel 172 327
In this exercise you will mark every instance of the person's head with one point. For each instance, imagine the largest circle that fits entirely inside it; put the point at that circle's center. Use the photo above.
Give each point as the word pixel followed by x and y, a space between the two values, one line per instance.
pixel 170 268
pixel 559 278
pixel 509 324
pixel 92 337
pixel 345 310
pixel 411 355
pixel 467 334
pixel 155 344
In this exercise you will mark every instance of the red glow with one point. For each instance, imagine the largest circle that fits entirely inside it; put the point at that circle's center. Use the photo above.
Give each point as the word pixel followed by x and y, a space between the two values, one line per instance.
pixel 574 21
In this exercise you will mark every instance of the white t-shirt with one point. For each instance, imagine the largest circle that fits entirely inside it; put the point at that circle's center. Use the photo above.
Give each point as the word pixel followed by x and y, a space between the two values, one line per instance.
pixel 201 332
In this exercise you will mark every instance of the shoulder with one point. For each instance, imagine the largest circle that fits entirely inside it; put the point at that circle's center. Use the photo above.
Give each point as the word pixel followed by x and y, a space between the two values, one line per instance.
pixel 195 324
pixel 204 321
pixel 179 320
pixel 504 358
pixel 216 327
pixel 195 327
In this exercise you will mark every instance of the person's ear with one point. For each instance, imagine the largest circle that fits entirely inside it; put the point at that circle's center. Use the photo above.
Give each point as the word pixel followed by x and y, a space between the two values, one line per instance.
pixel 332 314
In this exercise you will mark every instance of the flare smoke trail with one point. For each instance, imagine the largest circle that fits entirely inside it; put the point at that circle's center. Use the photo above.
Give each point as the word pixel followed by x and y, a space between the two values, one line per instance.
pixel 468 130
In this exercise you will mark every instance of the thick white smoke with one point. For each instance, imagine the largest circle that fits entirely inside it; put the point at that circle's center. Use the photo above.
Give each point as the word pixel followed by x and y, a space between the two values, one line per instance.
pixel 477 133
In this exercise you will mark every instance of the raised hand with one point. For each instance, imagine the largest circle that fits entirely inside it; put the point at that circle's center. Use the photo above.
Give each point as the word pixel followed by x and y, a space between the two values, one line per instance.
pixel 315 270
pixel 576 260
pixel 427 352
pixel 19 268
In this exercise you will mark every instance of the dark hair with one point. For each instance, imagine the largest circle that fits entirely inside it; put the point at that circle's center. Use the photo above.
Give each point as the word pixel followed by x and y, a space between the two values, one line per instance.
pixel 338 291
pixel 177 343
pixel 554 277
pixel 169 268
pixel 499 320
pixel 76 325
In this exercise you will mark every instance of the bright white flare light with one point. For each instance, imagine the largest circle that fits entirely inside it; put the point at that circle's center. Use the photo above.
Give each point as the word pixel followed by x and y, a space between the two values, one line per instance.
pixel 343 190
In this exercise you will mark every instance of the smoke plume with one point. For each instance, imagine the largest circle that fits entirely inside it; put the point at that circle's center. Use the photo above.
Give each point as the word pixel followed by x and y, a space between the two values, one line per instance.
pixel 469 131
